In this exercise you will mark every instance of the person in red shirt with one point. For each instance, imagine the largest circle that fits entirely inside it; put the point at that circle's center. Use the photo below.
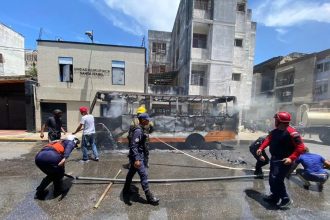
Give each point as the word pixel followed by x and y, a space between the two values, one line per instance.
pixel 285 146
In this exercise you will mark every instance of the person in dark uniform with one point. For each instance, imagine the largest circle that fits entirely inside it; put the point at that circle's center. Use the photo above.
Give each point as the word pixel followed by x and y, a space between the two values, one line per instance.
pixel 54 126
pixel 147 129
pixel 51 160
pixel 262 160
pixel 285 146
pixel 137 160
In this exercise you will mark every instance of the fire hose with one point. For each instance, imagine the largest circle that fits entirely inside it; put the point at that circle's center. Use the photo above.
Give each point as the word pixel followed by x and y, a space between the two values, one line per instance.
pixel 181 180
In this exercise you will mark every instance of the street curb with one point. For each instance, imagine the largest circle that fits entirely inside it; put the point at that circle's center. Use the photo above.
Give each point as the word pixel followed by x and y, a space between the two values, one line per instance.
pixel 13 139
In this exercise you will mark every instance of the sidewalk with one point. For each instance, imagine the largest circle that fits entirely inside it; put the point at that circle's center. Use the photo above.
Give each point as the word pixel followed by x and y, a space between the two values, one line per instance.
pixel 23 136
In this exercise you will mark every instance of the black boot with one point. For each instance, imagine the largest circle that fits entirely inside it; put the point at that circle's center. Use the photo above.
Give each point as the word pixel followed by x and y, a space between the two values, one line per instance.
pixel 151 198
pixel 258 172
pixel 41 194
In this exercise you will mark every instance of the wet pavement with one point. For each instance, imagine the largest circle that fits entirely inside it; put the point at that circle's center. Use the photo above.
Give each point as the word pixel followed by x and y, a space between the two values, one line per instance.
pixel 226 199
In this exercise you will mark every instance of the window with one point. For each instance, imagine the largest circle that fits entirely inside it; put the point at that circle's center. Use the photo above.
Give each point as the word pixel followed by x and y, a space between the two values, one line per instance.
pixel 319 67
pixel 1 63
pixel 238 42
pixel 241 7
pixel 285 78
pixel 321 88
pixel 201 4
pixel 284 95
pixel 236 77
pixel 162 68
pixel 66 69
pixel 199 40
pixel 159 48
pixel 327 66
pixel 197 78
pixel 118 72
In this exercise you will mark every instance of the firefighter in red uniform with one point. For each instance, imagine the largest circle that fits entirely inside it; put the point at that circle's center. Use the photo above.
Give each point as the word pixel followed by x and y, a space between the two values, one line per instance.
pixel 50 160
pixel 285 146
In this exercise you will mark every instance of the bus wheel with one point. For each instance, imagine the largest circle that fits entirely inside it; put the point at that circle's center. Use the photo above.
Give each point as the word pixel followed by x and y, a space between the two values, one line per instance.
pixel 195 140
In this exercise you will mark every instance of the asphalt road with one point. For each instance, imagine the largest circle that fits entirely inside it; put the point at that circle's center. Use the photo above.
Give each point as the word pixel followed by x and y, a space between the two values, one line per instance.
pixel 228 199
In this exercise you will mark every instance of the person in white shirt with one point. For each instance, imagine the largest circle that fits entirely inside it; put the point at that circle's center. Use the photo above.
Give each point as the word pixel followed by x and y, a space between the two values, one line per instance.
pixel 88 127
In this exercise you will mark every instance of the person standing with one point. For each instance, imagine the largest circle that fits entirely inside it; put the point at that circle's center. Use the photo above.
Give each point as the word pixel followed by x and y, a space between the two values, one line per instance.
pixel 313 169
pixel 88 137
pixel 137 160
pixel 54 126
pixel 147 129
pixel 51 160
pixel 285 145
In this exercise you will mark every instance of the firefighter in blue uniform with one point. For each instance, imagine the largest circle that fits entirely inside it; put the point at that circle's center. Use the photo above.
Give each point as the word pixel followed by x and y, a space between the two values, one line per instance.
pixel 51 160
pixel 262 159
pixel 137 161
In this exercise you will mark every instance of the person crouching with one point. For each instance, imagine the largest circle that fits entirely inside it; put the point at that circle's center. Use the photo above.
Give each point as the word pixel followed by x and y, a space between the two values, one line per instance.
pixel 51 160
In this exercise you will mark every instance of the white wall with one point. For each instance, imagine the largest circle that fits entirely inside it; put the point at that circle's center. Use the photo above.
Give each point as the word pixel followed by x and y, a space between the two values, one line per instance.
pixel 12 50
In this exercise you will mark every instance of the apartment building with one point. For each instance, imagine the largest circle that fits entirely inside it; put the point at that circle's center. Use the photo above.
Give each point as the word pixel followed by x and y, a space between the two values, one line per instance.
pixel 292 83
pixel 211 48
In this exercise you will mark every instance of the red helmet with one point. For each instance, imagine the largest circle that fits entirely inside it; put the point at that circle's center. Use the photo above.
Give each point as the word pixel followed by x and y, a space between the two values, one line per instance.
pixel 283 117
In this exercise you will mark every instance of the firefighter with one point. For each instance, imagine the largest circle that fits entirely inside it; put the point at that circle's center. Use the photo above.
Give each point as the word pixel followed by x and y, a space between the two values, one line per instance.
pixel 262 160
pixel 147 129
pixel 137 160
pixel 285 146
pixel 51 160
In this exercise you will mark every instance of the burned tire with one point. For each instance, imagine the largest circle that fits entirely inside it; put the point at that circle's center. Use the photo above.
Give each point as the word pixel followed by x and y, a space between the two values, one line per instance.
pixel 325 136
pixel 194 141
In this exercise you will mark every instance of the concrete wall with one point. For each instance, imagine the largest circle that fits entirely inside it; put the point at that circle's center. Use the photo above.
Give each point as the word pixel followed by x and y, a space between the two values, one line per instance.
pixel 83 88
pixel 222 23
pixel 159 59
pixel 12 50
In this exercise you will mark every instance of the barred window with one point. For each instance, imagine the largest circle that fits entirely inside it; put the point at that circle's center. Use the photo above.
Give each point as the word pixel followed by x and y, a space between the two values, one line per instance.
pixel 197 78
pixel 236 77
pixel 159 48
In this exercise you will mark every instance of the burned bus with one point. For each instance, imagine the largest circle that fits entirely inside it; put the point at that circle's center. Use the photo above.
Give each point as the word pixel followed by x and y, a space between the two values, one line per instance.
pixel 189 121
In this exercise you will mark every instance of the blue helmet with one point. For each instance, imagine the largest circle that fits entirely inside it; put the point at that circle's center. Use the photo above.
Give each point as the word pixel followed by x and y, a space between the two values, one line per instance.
pixel 144 116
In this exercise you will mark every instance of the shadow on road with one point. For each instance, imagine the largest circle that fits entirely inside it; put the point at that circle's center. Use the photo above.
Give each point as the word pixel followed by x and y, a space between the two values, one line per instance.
pixel 258 197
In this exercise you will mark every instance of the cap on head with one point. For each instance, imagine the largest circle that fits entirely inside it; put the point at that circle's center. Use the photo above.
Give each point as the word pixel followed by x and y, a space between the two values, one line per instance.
pixel 144 116
pixel 141 110
pixel 83 109
pixel 57 111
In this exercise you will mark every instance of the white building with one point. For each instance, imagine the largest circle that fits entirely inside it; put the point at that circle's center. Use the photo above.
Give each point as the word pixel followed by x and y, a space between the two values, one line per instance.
pixel 211 47
pixel 11 52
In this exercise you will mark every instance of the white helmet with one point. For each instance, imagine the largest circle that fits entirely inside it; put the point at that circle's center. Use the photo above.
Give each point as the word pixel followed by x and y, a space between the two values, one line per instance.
pixel 73 138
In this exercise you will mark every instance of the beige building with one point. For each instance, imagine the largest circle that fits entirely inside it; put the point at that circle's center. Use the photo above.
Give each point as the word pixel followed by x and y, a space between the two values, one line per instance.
pixel 70 74
pixel 293 83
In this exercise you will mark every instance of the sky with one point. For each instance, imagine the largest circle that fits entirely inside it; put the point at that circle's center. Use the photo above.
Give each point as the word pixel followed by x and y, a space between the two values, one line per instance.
pixel 283 26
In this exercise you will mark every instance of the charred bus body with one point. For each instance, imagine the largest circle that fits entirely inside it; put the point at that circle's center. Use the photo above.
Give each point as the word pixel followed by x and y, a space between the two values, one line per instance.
pixel 187 121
